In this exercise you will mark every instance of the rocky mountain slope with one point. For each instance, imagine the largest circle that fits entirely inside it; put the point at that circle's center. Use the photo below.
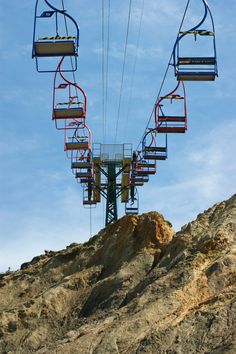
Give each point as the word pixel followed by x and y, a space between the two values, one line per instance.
pixel 136 287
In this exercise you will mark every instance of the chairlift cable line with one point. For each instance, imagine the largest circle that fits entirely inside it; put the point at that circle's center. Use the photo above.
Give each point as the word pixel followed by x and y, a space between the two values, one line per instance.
pixel 103 70
pixel 107 66
pixel 135 62
pixel 164 78
pixel 123 70
pixel 90 220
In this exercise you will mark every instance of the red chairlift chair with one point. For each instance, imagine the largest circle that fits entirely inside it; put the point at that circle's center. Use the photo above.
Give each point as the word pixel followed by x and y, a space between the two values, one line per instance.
pixel 166 123
pixel 69 102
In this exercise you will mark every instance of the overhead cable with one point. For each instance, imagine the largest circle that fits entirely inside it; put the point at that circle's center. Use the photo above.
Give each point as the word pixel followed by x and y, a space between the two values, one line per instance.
pixel 103 71
pixel 123 71
pixel 135 62
pixel 107 67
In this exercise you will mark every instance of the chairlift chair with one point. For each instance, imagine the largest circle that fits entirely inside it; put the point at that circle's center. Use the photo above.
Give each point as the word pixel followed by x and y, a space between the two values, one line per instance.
pixel 138 181
pixel 150 150
pixel 144 168
pixel 174 123
pixel 80 140
pixel 132 206
pixel 191 67
pixel 88 195
pixel 69 102
pixel 61 44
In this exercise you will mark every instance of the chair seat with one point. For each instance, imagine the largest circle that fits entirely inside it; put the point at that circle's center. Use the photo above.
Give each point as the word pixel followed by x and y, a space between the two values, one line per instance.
pixel 196 61
pixel 131 210
pixel 64 113
pixel 196 76
pixel 89 202
pixel 77 146
pixel 146 165
pixel 155 148
pixel 161 129
pixel 54 48
pixel 171 118
pixel 79 164
pixel 145 172
pixel 154 157
pixel 83 175
pixel 136 179
pixel 86 180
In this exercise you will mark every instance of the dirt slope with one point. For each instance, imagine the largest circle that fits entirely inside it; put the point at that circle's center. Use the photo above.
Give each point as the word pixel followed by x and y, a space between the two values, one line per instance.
pixel 136 287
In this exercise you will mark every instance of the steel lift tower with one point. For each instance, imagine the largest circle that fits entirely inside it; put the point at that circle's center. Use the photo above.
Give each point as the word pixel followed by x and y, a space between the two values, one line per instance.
pixel 112 165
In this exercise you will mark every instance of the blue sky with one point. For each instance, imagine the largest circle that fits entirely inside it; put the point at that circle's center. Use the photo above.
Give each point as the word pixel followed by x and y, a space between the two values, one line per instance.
pixel 41 203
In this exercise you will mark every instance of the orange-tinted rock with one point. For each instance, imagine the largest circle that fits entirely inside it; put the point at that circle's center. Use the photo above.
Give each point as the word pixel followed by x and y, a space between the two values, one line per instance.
pixel 133 288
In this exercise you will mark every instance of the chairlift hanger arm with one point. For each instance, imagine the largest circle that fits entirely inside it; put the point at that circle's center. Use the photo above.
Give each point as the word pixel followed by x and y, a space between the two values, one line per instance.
pixel 69 82
pixel 63 12
pixel 153 140
pixel 157 105
pixel 195 27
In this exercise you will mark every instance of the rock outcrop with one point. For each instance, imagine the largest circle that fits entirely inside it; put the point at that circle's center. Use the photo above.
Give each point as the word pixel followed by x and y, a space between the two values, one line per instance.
pixel 136 287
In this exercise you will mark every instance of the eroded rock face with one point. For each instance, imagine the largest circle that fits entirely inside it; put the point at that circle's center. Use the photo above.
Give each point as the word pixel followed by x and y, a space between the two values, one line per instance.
pixel 136 287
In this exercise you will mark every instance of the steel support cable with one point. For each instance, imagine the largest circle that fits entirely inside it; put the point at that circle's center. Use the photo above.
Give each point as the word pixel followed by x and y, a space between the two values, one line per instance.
pixel 135 62
pixel 107 68
pixel 103 71
pixel 90 221
pixel 123 71
pixel 164 78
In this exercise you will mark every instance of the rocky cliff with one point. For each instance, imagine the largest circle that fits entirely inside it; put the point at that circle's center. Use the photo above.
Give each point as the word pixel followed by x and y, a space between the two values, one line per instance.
pixel 136 287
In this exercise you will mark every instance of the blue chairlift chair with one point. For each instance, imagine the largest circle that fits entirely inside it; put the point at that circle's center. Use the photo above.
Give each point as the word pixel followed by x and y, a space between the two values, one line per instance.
pixel 59 45
pixel 192 67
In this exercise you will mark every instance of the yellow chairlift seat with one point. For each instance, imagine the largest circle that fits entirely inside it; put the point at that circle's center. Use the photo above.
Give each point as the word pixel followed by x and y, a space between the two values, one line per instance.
pixel 83 145
pixel 196 76
pixel 54 48
pixel 173 97
pixel 64 113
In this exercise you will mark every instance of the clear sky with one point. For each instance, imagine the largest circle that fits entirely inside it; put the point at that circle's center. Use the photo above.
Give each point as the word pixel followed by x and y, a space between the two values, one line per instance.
pixel 41 203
